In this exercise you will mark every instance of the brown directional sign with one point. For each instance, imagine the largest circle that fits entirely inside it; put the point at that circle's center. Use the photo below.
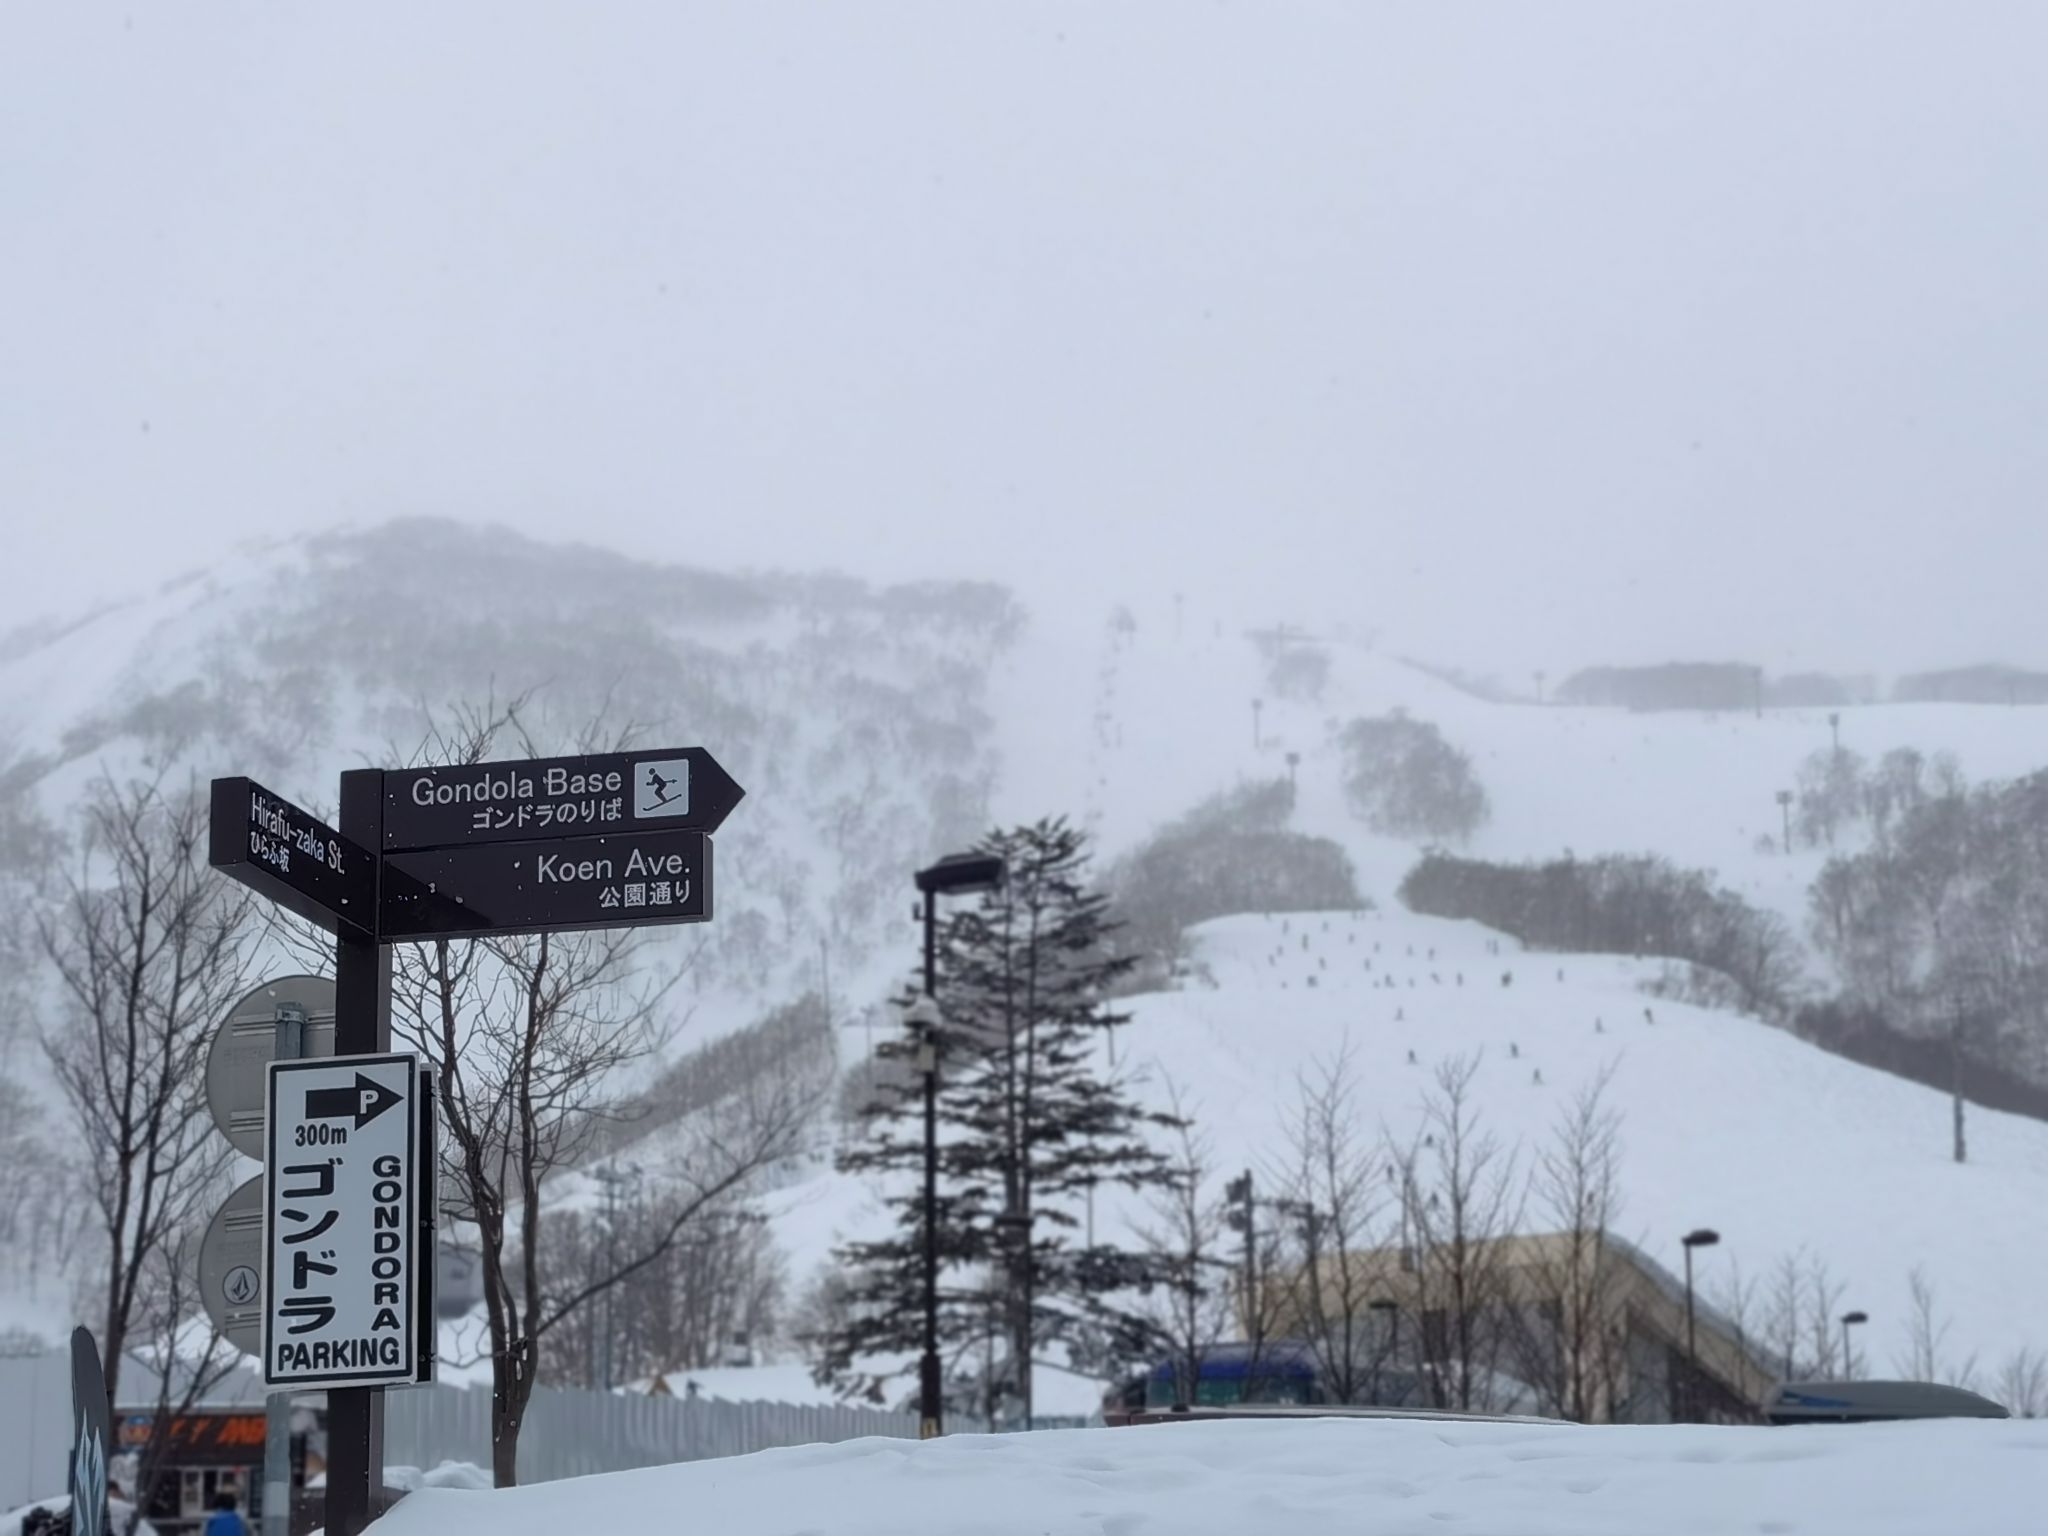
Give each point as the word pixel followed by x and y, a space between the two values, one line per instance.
pixel 663 789
pixel 615 880
pixel 293 857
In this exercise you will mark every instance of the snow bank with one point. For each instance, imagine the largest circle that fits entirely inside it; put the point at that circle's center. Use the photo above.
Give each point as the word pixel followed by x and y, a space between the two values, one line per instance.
pixel 1319 1478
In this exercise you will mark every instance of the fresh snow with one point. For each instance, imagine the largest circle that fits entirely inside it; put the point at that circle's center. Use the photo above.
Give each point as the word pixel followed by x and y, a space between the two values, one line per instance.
pixel 1324 1477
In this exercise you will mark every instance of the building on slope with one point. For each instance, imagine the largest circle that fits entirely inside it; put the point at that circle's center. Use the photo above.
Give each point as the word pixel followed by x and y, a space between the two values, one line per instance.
pixel 1582 1326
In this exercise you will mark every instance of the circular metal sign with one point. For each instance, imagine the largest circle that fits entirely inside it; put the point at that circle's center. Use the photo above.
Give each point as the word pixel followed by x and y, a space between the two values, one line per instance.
pixel 245 1044
pixel 231 1268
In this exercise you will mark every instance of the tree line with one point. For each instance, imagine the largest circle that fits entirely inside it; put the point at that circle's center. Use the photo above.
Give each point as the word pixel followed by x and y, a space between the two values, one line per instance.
pixel 1623 904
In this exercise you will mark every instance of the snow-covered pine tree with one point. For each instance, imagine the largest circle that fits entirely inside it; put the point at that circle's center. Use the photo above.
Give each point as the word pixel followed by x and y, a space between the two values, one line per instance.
pixel 1029 1130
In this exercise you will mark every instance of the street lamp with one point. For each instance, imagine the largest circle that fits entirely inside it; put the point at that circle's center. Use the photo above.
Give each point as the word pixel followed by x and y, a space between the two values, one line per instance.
pixel 1699 1237
pixel 1850 1320
pixel 957 874
pixel 1387 1307
pixel 1785 810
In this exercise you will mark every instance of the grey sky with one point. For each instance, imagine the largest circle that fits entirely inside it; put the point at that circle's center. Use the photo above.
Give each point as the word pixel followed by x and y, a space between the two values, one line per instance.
pixel 1528 333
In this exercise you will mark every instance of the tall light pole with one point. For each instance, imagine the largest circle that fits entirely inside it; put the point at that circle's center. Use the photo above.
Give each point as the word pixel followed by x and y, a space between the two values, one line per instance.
pixel 1785 810
pixel 1257 739
pixel 1850 1320
pixel 957 874
pixel 1835 729
pixel 1699 1237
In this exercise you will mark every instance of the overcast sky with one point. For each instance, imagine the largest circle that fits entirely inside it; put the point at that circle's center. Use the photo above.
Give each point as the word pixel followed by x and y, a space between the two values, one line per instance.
pixel 1530 333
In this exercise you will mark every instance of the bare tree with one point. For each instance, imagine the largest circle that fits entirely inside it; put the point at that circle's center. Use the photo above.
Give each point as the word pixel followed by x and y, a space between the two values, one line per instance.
pixel 1185 1311
pixel 526 1038
pixel 1566 1346
pixel 2023 1383
pixel 147 946
pixel 1458 1204
pixel 182 1351
pixel 1338 1298
pixel 1927 1330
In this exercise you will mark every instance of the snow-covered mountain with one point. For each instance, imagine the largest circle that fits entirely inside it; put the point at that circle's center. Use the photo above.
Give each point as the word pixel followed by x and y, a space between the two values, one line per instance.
pixel 874 727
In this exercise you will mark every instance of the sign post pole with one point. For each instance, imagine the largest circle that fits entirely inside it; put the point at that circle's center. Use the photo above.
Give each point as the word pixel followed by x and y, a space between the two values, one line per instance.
pixel 362 1027
pixel 277 1407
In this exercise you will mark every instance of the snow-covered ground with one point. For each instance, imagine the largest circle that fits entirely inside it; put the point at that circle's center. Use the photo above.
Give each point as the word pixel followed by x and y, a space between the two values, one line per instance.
pixel 1326 1477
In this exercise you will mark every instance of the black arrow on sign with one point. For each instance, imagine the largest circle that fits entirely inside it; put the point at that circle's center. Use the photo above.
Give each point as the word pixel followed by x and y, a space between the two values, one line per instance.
pixel 366 1101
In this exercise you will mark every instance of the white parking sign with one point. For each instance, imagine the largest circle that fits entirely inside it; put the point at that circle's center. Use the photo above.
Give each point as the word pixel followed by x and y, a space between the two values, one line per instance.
pixel 340 1292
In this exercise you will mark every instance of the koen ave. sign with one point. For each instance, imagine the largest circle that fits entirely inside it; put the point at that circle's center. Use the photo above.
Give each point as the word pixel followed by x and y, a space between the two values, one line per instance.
pixel 624 880
pixel 667 789
pixel 340 1280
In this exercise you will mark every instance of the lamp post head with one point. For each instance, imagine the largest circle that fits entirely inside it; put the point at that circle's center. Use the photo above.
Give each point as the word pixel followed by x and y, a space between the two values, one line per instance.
pixel 1383 1304
pixel 1854 1317
pixel 923 1016
pixel 962 874
pixel 1701 1237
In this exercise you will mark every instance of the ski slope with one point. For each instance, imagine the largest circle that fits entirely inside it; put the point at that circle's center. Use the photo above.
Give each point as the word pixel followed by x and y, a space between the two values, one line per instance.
pixel 1784 1149
pixel 1725 1122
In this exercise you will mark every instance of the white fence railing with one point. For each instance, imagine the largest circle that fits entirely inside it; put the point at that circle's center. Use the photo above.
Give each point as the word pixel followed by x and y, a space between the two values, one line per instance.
pixel 571 1434
pixel 35 1426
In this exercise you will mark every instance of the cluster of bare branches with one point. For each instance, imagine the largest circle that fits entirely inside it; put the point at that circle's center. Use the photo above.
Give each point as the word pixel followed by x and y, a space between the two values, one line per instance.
pixel 147 948
pixel 529 1041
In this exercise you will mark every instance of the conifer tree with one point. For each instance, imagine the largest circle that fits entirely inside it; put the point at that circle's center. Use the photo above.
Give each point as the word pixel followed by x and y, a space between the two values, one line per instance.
pixel 1034 1120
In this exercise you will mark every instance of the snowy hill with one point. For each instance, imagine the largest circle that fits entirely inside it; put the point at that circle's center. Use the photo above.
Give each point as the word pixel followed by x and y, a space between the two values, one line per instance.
pixel 873 727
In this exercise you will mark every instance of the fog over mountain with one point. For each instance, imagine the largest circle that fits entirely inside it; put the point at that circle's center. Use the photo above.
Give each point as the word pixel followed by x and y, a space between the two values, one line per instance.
pixel 1533 336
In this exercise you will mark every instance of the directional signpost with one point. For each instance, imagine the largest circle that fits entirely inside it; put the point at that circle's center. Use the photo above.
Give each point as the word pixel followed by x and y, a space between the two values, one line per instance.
pixel 671 789
pixel 340 1263
pixel 559 886
pixel 344 1283
pixel 292 856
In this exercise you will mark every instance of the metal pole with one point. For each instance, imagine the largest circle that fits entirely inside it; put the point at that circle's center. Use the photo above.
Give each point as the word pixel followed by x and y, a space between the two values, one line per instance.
pixel 931 1407
pixel 277 1407
pixel 1692 1349
pixel 611 1258
pixel 362 1026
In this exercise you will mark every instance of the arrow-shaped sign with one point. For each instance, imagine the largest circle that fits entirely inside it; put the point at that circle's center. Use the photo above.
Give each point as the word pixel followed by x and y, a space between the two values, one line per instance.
pixel 366 1101
pixel 658 789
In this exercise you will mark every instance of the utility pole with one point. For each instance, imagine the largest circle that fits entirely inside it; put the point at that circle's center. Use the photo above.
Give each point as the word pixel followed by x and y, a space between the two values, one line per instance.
pixel 1785 810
